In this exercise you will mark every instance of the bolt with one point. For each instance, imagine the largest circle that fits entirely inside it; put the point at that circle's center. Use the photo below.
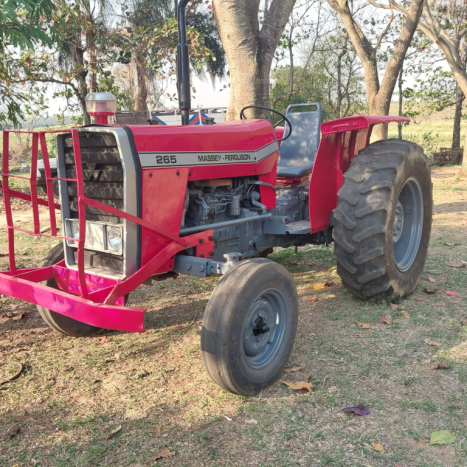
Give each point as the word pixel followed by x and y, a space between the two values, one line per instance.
pixel 188 266
pixel 258 339
pixel 201 240
pixel 170 265
pixel 211 253
pixel 150 175
pixel 189 173
pixel 201 268
pixel 201 256
pixel 211 238
pixel 178 172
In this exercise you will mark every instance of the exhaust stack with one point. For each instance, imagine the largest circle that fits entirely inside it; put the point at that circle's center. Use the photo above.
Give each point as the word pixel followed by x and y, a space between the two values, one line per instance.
pixel 183 64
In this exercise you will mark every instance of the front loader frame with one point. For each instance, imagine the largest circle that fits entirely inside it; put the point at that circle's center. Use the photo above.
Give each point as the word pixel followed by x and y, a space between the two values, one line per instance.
pixel 94 300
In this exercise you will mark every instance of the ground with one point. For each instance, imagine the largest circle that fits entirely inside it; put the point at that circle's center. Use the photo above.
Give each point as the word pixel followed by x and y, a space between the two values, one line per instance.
pixel 119 399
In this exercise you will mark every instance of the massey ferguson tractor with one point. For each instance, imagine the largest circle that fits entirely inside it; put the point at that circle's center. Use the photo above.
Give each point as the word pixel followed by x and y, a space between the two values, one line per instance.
pixel 139 203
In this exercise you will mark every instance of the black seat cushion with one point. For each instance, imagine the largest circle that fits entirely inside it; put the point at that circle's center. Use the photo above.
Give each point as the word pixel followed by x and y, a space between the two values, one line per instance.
pixel 294 172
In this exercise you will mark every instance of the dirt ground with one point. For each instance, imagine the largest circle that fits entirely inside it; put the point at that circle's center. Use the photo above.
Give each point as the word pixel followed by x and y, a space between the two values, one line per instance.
pixel 118 399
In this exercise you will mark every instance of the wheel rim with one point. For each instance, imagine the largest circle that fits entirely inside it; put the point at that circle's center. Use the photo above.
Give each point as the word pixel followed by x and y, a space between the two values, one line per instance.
pixel 408 224
pixel 264 329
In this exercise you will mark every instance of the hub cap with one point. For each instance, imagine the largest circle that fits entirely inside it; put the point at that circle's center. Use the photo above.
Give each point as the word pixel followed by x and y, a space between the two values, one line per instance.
pixel 408 224
pixel 263 329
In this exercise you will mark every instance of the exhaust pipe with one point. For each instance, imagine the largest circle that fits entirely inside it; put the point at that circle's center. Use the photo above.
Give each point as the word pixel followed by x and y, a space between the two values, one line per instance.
pixel 183 63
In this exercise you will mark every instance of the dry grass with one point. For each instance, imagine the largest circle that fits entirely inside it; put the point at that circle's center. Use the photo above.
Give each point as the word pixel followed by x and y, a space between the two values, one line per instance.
pixel 75 392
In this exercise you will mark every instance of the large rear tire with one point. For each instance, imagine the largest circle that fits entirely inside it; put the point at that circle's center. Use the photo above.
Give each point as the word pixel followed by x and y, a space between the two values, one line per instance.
pixel 383 220
pixel 249 326
pixel 62 323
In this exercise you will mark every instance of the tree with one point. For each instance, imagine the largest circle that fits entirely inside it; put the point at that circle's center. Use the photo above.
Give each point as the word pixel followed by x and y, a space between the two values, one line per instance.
pixel 23 24
pixel 445 24
pixel 379 93
pixel 250 48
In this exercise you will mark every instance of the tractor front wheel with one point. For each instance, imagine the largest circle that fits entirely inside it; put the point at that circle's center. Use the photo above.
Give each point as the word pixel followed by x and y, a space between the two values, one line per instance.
pixel 383 219
pixel 62 323
pixel 249 326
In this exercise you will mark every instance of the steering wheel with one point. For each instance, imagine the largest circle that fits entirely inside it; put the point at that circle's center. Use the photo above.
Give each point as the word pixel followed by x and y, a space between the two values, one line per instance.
pixel 283 118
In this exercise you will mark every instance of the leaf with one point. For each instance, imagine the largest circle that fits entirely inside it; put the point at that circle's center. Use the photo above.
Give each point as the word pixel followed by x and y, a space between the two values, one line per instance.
pixel 442 366
pixel 420 300
pixel 289 370
pixel 422 442
pixel 163 453
pixel 452 294
pixel 359 409
pixel 395 306
pixel 300 386
pixel 430 279
pixel 8 314
pixel 252 421
pixel 227 418
pixel 362 325
pixel 457 264
pixel 464 322
pixel 116 430
pixel 319 287
pixel 13 431
pixel 434 344
pixel 104 340
pixel 379 447
pixel 430 291
pixel 329 284
pixel 293 261
pixel 19 316
pixel 405 314
pixel 386 318
pixel 325 379
pixel 442 437
pixel 312 300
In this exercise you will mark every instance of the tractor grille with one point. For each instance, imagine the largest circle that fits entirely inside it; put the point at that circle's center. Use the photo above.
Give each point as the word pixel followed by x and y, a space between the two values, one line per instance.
pixel 103 182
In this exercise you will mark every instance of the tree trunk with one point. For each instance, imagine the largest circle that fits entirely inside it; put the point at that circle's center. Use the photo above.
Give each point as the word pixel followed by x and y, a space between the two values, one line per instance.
pixel 399 125
pixel 456 133
pixel 83 91
pixel 249 49
pixel 91 37
pixel 142 101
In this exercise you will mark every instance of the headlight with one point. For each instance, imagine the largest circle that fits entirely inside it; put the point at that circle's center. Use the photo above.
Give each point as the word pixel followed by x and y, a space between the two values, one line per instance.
pixel 114 237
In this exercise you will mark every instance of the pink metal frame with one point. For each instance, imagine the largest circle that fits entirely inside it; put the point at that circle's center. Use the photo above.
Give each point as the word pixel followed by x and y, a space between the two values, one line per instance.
pixel 91 299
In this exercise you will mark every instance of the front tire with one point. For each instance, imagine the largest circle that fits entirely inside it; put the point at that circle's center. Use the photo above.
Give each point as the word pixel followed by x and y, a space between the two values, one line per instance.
pixel 383 219
pixel 249 326
pixel 61 323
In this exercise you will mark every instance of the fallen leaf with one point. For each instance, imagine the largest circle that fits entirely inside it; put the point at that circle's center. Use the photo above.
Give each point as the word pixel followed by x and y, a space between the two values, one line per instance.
pixel 300 386
pixel 442 437
pixel 452 244
pixel 442 366
pixel 312 300
pixel 434 344
pixel 429 291
pixel 457 264
pixel 405 314
pixel 19 316
pixel 422 442
pixel 163 453
pixel 293 261
pixel 289 370
pixel 452 294
pixel 319 287
pixel 420 300
pixel 325 379
pixel 8 314
pixel 359 409
pixel 464 322
pixel 395 306
pixel 104 340
pixel 251 421
pixel 430 279
pixel 329 284
pixel 227 418
pixel 386 318
pixel 116 430
pixel 379 447
pixel 362 325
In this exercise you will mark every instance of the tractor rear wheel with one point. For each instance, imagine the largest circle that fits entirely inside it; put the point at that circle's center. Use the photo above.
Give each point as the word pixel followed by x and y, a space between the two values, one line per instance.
pixel 62 323
pixel 249 326
pixel 383 220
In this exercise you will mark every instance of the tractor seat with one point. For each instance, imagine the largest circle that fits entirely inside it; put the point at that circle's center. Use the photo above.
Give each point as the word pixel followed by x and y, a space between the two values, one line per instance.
pixel 297 153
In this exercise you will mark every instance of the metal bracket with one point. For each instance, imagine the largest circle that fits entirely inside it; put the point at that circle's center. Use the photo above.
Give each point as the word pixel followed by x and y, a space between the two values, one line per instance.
pixel 200 267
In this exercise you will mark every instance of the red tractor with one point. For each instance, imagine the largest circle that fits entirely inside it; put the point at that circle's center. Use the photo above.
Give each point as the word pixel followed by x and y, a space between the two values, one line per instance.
pixel 140 202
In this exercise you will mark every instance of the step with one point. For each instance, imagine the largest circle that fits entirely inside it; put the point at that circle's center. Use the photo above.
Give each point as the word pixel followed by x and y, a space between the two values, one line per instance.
pixel 298 228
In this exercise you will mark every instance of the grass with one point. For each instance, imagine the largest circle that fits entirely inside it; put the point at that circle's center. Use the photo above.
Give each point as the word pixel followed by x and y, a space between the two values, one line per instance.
pixel 75 392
